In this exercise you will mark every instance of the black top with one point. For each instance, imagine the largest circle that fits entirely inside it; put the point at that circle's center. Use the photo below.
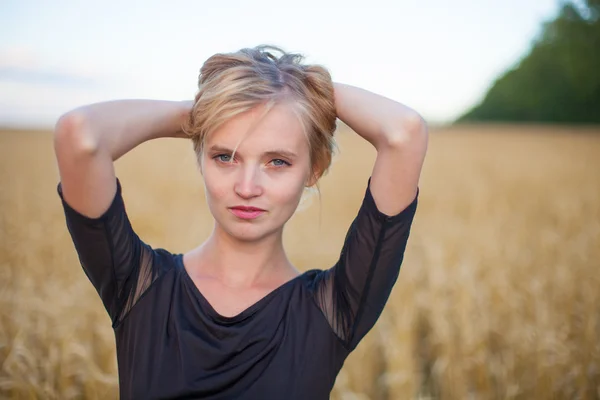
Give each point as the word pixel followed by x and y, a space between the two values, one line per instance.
pixel 291 344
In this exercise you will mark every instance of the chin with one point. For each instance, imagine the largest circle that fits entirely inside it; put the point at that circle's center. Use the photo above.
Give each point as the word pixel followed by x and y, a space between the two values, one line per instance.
pixel 247 231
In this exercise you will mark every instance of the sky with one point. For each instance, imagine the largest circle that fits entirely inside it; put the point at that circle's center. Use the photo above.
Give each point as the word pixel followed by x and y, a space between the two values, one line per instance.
pixel 438 57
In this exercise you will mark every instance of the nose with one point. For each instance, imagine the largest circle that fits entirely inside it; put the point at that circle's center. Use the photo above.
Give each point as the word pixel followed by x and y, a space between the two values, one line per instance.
pixel 247 184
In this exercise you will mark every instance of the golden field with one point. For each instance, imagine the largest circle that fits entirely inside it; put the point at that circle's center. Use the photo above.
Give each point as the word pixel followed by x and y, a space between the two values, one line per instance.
pixel 498 298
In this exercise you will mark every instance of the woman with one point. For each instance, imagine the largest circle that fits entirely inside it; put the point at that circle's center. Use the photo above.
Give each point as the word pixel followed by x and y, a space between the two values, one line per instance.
pixel 233 318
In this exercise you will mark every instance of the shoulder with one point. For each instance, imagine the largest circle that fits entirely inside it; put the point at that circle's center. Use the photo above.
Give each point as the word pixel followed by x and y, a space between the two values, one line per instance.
pixel 312 278
pixel 162 260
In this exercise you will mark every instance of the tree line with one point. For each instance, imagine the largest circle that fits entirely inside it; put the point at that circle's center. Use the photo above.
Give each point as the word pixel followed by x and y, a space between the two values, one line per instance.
pixel 558 81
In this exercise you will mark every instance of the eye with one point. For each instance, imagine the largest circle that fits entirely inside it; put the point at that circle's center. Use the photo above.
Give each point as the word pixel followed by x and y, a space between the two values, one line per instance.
pixel 223 157
pixel 278 162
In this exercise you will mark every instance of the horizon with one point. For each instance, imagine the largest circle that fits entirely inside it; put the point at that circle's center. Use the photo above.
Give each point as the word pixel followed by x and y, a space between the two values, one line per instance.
pixel 45 71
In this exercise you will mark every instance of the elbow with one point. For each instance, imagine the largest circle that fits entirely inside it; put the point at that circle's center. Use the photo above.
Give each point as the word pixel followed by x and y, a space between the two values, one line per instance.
pixel 72 133
pixel 416 124
pixel 411 128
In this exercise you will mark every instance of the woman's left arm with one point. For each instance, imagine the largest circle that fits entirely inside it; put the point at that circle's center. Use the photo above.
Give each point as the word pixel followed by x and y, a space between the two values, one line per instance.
pixel 400 136
pixel 352 294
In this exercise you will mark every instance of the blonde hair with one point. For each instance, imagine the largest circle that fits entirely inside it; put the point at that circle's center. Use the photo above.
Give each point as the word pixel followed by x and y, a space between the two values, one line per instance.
pixel 233 83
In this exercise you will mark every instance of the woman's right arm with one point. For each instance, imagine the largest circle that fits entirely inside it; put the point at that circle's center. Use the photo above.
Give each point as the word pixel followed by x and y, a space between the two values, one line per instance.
pixel 119 264
pixel 87 141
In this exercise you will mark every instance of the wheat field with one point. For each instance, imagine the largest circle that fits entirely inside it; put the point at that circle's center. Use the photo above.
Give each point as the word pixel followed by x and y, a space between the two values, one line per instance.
pixel 498 298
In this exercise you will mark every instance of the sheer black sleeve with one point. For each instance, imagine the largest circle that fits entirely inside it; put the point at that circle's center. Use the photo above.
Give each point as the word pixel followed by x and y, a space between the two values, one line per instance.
pixel 353 293
pixel 116 261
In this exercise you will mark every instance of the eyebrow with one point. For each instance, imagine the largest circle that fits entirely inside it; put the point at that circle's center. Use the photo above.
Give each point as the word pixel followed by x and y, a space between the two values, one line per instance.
pixel 270 153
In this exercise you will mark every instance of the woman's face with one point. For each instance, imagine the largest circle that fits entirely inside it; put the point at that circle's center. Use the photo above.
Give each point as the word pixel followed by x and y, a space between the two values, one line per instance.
pixel 268 172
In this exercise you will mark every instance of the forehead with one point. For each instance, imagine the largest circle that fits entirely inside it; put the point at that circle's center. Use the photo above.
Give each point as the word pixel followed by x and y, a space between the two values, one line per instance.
pixel 254 130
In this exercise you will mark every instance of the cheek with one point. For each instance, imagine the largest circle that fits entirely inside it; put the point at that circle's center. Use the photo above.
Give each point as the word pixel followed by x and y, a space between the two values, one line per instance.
pixel 215 188
pixel 288 193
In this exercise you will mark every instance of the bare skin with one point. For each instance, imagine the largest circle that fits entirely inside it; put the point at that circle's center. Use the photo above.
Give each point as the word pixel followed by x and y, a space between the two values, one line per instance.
pixel 243 260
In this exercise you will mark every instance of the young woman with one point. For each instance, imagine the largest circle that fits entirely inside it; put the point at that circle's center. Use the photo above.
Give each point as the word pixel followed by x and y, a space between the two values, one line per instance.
pixel 233 318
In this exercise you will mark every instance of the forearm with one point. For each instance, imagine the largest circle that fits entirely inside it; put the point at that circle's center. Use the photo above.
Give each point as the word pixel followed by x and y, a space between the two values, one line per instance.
pixel 377 119
pixel 116 127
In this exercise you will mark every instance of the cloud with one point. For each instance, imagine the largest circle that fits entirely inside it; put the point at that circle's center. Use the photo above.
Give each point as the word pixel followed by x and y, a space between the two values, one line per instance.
pixel 37 103
pixel 35 92
pixel 21 65
pixel 45 76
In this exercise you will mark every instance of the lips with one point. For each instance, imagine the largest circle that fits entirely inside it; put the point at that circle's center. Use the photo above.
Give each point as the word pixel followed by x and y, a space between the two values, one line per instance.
pixel 244 212
pixel 244 208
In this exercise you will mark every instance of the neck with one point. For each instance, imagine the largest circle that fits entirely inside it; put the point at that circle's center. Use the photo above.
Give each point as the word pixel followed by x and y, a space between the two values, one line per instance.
pixel 239 264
